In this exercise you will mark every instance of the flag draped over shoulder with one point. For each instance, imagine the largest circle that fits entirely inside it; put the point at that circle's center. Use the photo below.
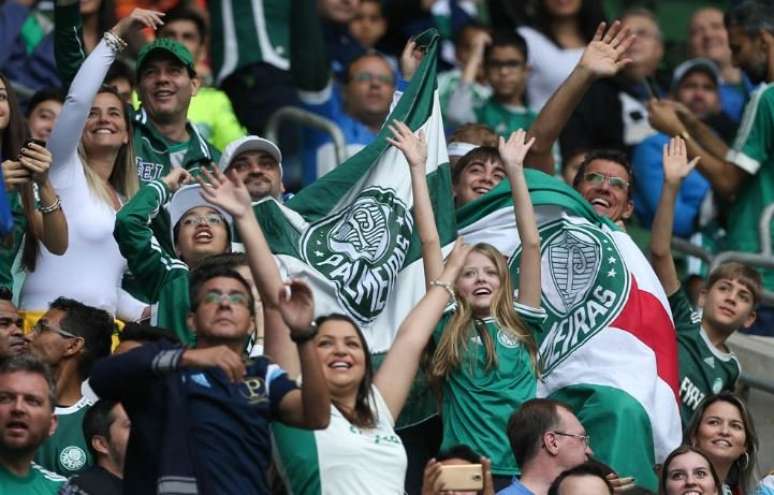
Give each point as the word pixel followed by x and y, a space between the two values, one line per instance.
pixel 609 348
pixel 351 233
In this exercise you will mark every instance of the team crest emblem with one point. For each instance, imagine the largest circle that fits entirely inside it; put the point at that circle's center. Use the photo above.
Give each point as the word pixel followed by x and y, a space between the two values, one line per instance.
pixel 584 285
pixel 717 385
pixel 507 340
pixel 72 458
pixel 361 249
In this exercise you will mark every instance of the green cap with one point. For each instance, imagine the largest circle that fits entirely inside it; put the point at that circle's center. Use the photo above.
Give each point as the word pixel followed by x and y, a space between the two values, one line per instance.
pixel 170 46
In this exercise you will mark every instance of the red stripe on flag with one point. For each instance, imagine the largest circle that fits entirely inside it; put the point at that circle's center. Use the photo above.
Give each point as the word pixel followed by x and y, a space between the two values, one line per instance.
pixel 645 317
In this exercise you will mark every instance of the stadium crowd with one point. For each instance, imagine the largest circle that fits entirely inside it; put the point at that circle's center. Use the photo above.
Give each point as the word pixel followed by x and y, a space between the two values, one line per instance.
pixel 175 259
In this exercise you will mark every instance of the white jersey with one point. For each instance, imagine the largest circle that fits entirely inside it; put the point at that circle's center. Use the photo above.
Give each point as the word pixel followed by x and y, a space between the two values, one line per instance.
pixel 343 459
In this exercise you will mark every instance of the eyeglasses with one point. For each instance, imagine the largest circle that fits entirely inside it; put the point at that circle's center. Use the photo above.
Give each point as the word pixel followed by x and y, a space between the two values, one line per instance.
pixel 504 64
pixel 238 298
pixel 7 322
pixel 42 327
pixel 367 77
pixel 585 438
pixel 213 219
pixel 597 179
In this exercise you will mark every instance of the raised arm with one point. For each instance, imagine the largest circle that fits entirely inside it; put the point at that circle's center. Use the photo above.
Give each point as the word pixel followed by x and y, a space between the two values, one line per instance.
pixel 396 374
pixel 460 109
pixel 513 152
pixel 676 167
pixel 311 407
pixel 603 57
pixel 67 131
pixel 414 148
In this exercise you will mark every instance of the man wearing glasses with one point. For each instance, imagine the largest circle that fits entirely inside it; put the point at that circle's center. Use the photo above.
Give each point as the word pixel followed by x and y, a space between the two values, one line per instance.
pixel 12 341
pixel 546 439
pixel 200 415
pixel 605 178
pixel 69 338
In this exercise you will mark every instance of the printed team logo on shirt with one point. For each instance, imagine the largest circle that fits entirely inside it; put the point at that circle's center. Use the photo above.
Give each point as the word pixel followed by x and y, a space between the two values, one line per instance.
pixel 717 385
pixel 72 458
pixel 361 249
pixel 507 339
pixel 584 286
pixel 254 390
pixel 148 171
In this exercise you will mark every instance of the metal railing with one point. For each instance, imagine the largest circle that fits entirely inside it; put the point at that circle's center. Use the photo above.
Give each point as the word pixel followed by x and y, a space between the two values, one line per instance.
pixel 308 119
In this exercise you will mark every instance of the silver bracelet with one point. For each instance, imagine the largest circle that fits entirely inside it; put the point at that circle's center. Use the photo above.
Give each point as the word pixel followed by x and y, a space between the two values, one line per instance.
pixel 56 205
pixel 447 287
pixel 114 42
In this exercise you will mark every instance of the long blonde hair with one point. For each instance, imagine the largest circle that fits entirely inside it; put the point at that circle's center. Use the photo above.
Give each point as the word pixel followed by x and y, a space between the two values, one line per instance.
pixel 451 348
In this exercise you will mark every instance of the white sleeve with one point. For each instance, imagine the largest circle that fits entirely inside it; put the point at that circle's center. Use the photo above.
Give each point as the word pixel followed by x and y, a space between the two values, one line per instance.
pixel 460 110
pixel 66 135
pixel 128 308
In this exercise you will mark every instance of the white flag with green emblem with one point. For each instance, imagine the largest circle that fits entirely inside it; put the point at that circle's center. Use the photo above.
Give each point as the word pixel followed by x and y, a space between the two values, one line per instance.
pixel 609 348
pixel 351 233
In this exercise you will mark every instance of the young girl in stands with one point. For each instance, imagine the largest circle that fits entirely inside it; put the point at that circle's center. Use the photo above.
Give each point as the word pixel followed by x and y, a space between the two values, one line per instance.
pixel 485 350
pixel 359 451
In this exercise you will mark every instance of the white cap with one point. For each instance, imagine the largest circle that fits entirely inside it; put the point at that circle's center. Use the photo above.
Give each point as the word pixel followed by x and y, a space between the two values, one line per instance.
pixel 459 148
pixel 187 197
pixel 249 143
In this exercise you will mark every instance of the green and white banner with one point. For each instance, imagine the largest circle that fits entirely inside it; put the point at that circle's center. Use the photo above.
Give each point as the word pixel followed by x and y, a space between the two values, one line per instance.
pixel 351 233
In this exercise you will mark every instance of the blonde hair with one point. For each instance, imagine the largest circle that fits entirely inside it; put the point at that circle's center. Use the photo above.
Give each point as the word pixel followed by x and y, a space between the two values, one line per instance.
pixel 451 348
pixel 123 178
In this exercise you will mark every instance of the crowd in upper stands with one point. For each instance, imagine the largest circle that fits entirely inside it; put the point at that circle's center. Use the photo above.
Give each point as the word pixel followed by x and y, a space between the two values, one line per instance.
pixel 153 336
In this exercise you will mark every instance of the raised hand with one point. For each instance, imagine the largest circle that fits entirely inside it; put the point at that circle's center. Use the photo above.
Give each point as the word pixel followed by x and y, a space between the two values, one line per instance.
pixel 413 146
pixel 37 160
pixel 228 192
pixel 410 58
pixel 514 150
pixel 15 174
pixel 456 259
pixel 139 18
pixel 176 178
pixel 676 164
pixel 296 305
pixel 606 54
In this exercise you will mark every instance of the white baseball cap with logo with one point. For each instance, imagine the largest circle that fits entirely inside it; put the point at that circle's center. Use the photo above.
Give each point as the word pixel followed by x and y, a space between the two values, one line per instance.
pixel 186 198
pixel 249 143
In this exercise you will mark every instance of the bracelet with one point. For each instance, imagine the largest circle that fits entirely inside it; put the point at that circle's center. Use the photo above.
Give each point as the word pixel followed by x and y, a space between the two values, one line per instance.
pixel 114 41
pixel 46 209
pixel 300 339
pixel 447 287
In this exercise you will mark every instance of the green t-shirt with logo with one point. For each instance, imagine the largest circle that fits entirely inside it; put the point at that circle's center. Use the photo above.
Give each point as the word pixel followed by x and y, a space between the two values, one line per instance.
pixel 477 401
pixel 704 369
pixel 753 152
pixel 38 481
pixel 65 452
pixel 504 119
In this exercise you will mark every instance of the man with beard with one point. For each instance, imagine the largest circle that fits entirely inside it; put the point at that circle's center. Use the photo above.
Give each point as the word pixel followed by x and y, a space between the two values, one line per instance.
pixel 26 420
pixel 258 163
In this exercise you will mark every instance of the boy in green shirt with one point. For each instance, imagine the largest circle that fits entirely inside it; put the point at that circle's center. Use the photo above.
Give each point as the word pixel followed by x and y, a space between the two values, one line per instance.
pixel 728 300
pixel 506 70
pixel 26 421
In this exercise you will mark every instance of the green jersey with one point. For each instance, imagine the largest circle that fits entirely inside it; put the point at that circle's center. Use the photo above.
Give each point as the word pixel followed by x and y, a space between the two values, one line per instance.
pixel 65 452
pixel 504 119
pixel 477 400
pixel 753 152
pixel 37 482
pixel 161 278
pixel 704 369
pixel 449 80
pixel 248 32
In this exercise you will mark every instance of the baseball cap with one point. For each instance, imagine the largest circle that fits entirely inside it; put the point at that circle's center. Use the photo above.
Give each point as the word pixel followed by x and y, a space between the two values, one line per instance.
pixel 170 46
pixel 704 65
pixel 187 197
pixel 249 143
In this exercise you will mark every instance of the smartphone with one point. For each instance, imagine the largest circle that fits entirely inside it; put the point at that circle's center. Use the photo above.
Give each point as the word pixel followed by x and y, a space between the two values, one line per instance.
pixel 39 142
pixel 462 477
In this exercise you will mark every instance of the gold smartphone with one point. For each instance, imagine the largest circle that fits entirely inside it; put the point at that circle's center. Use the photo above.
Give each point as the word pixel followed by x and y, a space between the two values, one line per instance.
pixel 462 477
